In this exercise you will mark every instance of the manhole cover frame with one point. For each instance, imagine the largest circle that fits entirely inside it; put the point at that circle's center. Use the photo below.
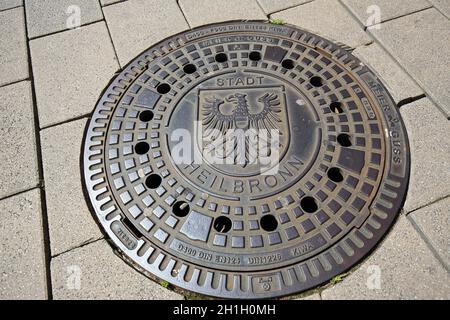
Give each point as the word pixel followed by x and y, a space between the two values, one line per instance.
pixel 281 281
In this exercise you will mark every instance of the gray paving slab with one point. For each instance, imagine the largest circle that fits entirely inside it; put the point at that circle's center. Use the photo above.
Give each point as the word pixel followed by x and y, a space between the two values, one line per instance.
pixel 403 267
pixel 71 224
pixel 95 272
pixel 370 12
pixel 399 84
pixel 442 5
pixel 270 6
pixel 7 4
pixel 22 264
pixel 327 18
pixel 48 16
pixel 200 12
pixel 428 132
pixel 434 222
pixel 18 157
pixel 420 43
pixel 13 50
pixel 135 25
pixel 70 70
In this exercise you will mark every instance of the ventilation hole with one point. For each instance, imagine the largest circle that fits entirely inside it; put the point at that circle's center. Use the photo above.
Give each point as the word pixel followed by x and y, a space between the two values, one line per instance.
pixel 344 140
pixel 336 107
pixel 309 204
pixel 222 224
pixel 288 64
pixel 335 175
pixel 163 88
pixel 269 223
pixel 316 81
pixel 255 56
pixel 221 57
pixel 180 209
pixel 146 116
pixel 141 147
pixel 189 68
pixel 153 181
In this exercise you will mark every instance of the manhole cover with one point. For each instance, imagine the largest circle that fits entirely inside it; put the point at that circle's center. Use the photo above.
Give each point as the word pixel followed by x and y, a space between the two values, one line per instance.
pixel 244 228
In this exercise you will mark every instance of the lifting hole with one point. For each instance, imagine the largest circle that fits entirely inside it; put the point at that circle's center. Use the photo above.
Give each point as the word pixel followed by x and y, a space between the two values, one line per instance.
pixel 146 116
pixel 163 88
pixel 221 57
pixel 153 181
pixel 141 147
pixel 222 224
pixel 309 204
pixel 269 223
pixel 336 107
pixel 335 175
pixel 288 64
pixel 180 209
pixel 316 81
pixel 255 56
pixel 344 140
pixel 189 68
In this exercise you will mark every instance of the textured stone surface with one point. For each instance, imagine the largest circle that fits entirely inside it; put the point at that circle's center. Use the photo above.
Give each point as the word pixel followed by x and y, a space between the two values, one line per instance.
pixel 327 18
pixel 399 84
pixel 70 221
pixel 18 158
pixel 365 10
pixel 71 69
pixel 22 266
pixel 420 43
pixel 7 4
pixel 442 5
pixel 47 16
pixel 434 222
pixel 428 132
pixel 135 25
pixel 270 6
pixel 408 270
pixel 200 12
pixel 13 49
pixel 103 275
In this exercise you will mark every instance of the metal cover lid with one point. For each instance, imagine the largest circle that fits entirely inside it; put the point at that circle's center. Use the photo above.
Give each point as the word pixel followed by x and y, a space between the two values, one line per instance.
pixel 243 228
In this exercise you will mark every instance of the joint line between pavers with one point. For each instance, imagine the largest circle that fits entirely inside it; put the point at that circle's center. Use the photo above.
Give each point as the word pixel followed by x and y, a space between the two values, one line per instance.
pixel 184 16
pixel 44 214
pixel 375 39
pixel 428 204
pixel 401 16
pixel 110 36
pixel 428 243
pixel 7 9
pixel 20 192
pixel 85 243
pixel 287 8
pixel 64 30
pixel 14 82
pixel 83 116
pixel 111 4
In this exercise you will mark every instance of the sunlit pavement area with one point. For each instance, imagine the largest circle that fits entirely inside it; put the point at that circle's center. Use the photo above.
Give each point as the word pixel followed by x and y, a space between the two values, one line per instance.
pixel 52 74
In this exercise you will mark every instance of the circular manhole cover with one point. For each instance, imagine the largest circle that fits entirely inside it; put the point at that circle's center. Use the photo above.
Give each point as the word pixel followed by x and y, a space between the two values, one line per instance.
pixel 328 188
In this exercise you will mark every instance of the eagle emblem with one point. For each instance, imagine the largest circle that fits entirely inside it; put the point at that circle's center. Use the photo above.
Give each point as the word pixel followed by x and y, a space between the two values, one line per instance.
pixel 260 111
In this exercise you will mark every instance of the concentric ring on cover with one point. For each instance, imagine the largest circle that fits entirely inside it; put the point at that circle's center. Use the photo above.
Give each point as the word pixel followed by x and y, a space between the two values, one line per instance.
pixel 226 230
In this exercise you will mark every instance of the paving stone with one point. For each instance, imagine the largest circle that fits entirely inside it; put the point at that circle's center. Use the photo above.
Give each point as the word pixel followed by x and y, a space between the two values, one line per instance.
pixel 13 50
pixel 399 84
pixel 420 43
pixel 47 16
pixel 428 131
pixel 442 5
pixel 270 6
pixel 364 10
pixel 137 24
pixel 327 18
pixel 70 221
pixel 407 270
pixel 434 222
pixel 102 275
pixel 7 4
pixel 200 12
pixel 71 69
pixel 22 264
pixel 18 158
pixel 314 296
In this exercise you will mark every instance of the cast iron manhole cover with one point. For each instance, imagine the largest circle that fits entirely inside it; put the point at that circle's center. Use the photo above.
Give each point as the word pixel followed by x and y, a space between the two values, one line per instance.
pixel 232 229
